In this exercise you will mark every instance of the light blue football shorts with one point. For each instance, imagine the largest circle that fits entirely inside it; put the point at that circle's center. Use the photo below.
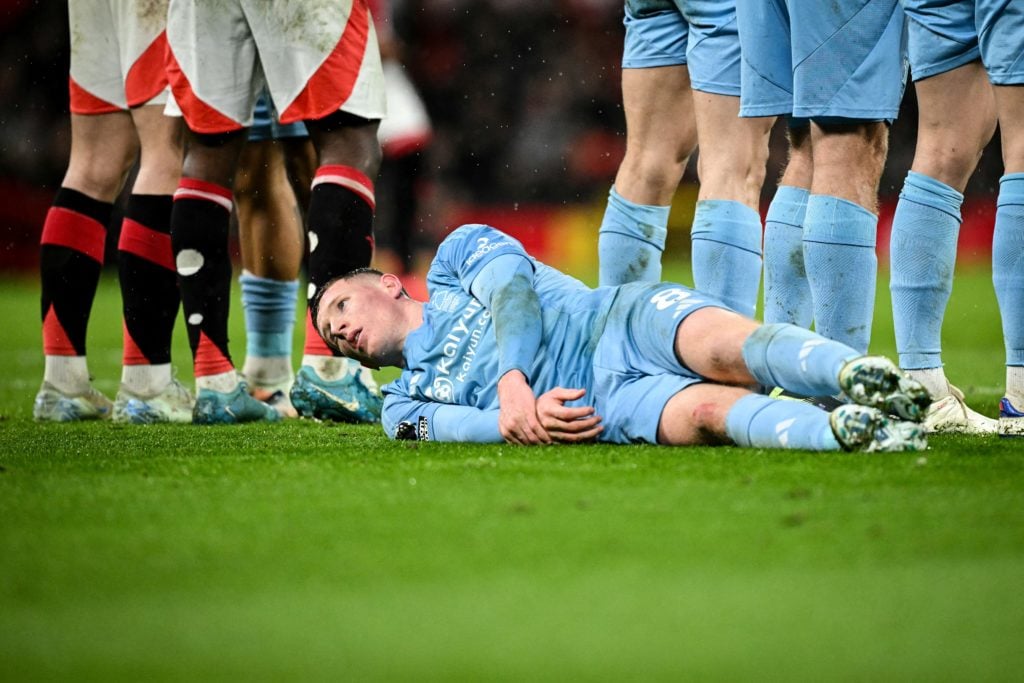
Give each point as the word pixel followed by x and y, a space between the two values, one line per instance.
pixel 1000 26
pixel 700 34
pixel 636 371
pixel 265 125
pixel 838 60
pixel 941 36
pixel 945 34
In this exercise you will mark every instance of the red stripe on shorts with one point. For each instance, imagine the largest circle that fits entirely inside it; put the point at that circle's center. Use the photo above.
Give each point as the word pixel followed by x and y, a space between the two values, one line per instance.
pixel 84 102
pixel 67 228
pixel 331 85
pixel 147 77
pixel 200 117
pixel 152 245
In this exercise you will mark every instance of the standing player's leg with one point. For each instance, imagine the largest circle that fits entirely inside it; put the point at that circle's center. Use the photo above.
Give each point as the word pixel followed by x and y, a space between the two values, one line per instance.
pixel 149 286
pixel 840 227
pixel 787 295
pixel 726 233
pixel 766 89
pixel 1008 250
pixel 660 136
pixel 340 239
pixel 848 78
pixel 956 120
pixel 272 239
pixel 103 148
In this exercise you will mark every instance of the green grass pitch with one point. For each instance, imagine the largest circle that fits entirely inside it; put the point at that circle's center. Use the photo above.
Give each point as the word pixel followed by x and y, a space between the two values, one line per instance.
pixel 307 551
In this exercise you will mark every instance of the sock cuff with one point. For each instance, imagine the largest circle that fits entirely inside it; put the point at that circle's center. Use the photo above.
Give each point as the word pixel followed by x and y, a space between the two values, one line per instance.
pixel 349 178
pixel 833 220
pixel 741 416
pixel 192 188
pixel 755 352
pixel 727 222
pixel 269 296
pixel 923 189
pixel 788 206
pixel 73 200
pixel 1011 189
pixel 645 222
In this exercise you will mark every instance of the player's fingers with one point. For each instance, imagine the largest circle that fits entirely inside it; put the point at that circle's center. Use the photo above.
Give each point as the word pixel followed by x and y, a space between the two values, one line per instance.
pixel 566 414
pixel 537 432
pixel 582 425
pixel 566 394
pixel 580 437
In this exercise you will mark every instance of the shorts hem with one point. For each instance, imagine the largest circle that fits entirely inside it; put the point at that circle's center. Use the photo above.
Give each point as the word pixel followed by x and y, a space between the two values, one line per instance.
pixel 653 62
pixel 728 89
pixel 1010 78
pixel 943 66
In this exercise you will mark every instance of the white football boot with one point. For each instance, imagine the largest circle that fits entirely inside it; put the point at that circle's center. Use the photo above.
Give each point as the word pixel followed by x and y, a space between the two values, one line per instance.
pixel 172 404
pixel 951 415
pixel 53 405
pixel 877 382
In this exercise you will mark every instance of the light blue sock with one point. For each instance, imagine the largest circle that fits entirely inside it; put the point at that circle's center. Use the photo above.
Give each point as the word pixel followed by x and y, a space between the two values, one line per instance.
pixel 923 253
pixel 798 360
pixel 1008 264
pixel 631 241
pixel 269 315
pixel 787 296
pixel 726 240
pixel 763 422
pixel 839 256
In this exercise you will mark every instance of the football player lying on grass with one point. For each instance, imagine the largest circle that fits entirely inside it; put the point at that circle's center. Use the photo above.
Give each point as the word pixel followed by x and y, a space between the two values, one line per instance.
pixel 511 349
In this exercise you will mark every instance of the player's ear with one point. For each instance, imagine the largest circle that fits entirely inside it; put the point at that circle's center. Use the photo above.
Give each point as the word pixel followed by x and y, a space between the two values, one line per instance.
pixel 392 284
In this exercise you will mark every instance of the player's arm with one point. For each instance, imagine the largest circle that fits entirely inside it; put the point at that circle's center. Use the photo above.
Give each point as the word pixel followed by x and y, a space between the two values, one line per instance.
pixel 497 271
pixel 407 418
pixel 505 286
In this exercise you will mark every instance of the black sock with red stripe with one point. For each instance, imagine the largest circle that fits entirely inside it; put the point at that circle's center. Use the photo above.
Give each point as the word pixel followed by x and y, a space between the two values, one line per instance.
pixel 149 285
pixel 340 220
pixel 199 239
pixel 70 260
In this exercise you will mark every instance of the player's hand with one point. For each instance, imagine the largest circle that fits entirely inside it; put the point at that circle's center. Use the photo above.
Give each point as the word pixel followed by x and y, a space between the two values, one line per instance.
pixel 517 417
pixel 569 425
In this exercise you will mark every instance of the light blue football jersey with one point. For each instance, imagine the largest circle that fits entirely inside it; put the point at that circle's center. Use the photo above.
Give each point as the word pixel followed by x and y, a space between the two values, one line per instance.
pixel 448 389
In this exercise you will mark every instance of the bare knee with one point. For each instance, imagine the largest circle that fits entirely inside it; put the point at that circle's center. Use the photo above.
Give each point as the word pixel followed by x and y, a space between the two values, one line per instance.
pixel 697 415
pixel 649 175
pixel 100 173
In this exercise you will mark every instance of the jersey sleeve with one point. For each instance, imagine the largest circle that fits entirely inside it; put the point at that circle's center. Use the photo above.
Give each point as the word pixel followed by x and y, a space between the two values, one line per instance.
pixel 404 417
pixel 465 252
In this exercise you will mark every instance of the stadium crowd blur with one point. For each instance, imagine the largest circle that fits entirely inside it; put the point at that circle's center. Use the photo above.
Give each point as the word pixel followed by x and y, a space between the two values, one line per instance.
pixel 524 97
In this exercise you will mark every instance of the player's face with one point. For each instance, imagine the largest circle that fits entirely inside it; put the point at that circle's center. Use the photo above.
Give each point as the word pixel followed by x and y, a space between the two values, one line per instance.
pixel 360 317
